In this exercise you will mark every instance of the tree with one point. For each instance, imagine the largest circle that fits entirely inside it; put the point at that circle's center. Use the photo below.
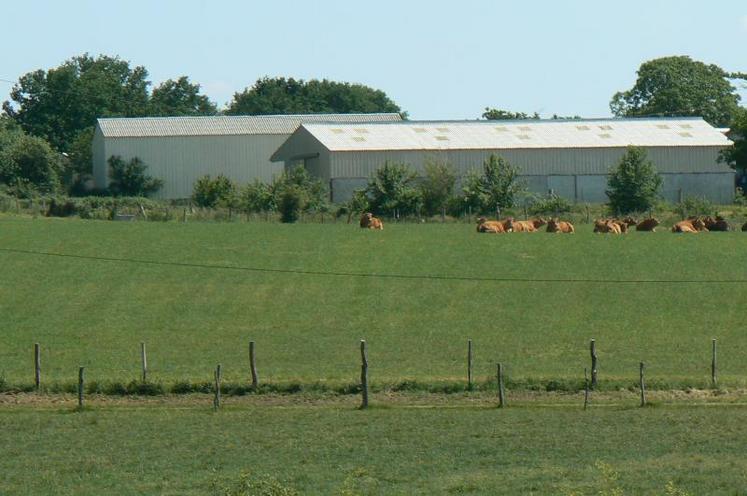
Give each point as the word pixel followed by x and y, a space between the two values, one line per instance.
pixel 180 97
pixel 497 187
pixel 679 86
pixel 28 163
pixel 437 187
pixel 296 96
pixel 634 185
pixel 736 156
pixel 59 103
pixel 314 192
pixel 214 192
pixel 492 114
pixel 393 190
pixel 130 178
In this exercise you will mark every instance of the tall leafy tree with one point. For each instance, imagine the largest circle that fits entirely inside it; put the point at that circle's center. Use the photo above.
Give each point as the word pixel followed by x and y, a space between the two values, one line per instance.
pixel 180 97
pixel 493 114
pixel 437 186
pixel 59 103
pixel 680 86
pixel 634 185
pixel 296 96
pixel 393 189
pixel 498 186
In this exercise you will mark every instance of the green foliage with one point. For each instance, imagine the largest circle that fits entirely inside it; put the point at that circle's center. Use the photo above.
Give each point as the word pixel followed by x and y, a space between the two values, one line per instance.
pixel 28 164
pixel 180 97
pixel 437 187
pixel 393 190
pixel 492 114
pixel 551 204
pixel 296 96
pixel 214 192
pixel 314 192
pixel 693 205
pixel 679 86
pixel 634 185
pixel 498 186
pixel 130 178
pixel 249 484
pixel 736 156
pixel 291 202
pixel 257 197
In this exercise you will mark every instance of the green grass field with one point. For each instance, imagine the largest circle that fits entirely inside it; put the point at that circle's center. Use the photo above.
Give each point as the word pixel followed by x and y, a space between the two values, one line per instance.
pixel 307 325
pixel 336 450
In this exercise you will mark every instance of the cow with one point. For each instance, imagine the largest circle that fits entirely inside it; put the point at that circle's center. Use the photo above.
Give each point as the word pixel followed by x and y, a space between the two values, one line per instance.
pixel 717 224
pixel 647 225
pixel 524 226
pixel 559 226
pixel 494 226
pixel 538 222
pixel 691 225
pixel 607 226
pixel 368 221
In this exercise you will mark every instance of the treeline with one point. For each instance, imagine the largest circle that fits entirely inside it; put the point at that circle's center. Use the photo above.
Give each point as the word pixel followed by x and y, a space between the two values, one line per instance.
pixel 46 128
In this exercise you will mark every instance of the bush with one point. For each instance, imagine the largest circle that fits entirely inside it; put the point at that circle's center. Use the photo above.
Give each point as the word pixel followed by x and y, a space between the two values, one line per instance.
pixel 634 185
pixel 314 193
pixel 292 201
pixel 130 179
pixel 29 165
pixel 437 187
pixel 218 192
pixel 257 197
pixel 497 187
pixel 550 205
pixel 392 190
pixel 695 206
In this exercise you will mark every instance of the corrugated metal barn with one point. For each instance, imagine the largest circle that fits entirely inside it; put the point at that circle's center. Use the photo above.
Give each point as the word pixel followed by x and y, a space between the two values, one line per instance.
pixel 180 150
pixel 570 157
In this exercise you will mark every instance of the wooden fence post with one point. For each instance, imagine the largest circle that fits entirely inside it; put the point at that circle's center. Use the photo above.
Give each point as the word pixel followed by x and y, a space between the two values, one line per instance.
pixel 593 350
pixel 586 389
pixel 501 390
pixel 253 365
pixel 80 386
pixel 713 363
pixel 364 375
pixel 643 387
pixel 37 366
pixel 144 362
pixel 216 399
pixel 469 364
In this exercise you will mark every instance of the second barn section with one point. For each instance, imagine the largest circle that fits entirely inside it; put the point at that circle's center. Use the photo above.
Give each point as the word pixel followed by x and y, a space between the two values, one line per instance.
pixel 572 158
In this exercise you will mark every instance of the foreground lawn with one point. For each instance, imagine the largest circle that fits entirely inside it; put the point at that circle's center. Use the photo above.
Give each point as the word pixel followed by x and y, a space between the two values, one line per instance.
pixel 335 449
pixel 307 324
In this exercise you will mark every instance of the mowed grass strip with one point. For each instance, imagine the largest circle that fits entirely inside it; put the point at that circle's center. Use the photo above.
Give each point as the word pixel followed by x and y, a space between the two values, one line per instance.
pixel 307 326
pixel 338 450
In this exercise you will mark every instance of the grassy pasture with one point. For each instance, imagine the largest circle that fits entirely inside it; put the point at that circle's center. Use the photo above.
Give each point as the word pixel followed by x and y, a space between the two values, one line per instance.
pixel 336 450
pixel 307 325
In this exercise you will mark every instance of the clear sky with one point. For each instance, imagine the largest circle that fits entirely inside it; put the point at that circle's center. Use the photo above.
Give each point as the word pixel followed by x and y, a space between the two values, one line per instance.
pixel 436 59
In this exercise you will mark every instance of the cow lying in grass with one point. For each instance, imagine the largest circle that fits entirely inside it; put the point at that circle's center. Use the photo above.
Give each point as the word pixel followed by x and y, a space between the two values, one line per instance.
pixel 559 226
pixel 647 225
pixel 528 225
pixel 716 224
pixel 494 226
pixel 609 226
pixel 368 221
pixel 692 225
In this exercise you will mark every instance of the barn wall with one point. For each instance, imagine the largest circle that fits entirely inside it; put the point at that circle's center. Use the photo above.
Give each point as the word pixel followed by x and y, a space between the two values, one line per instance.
pixel 180 161
pixel 99 159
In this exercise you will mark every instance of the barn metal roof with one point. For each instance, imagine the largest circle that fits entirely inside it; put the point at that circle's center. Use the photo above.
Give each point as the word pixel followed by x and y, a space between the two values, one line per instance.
pixel 121 127
pixel 466 135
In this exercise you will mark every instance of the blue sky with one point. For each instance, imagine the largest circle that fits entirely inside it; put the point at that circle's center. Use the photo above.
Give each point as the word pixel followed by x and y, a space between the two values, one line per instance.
pixel 436 59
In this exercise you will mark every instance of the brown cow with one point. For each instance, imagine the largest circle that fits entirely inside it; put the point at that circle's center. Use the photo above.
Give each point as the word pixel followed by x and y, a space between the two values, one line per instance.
pixel 691 225
pixel 559 226
pixel 538 222
pixel 524 226
pixel 647 225
pixel 607 226
pixel 717 224
pixel 368 221
pixel 494 226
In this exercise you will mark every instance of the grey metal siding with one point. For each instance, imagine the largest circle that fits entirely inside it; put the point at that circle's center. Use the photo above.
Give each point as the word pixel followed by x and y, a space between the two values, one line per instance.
pixel 100 178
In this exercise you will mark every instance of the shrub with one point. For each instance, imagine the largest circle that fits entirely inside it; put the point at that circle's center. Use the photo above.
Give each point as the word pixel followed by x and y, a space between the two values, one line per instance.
pixel 392 190
pixel 292 201
pixel 634 184
pixel 437 187
pixel 693 205
pixel 257 197
pixel 551 204
pixel 497 187
pixel 28 164
pixel 314 192
pixel 210 193
pixel 130 179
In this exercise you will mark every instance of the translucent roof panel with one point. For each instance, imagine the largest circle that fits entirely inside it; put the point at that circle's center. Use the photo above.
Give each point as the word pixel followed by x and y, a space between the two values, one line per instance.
pixel 466 135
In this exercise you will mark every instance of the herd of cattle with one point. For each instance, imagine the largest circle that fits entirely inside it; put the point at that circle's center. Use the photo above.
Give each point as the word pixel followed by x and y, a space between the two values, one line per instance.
pixel 611 226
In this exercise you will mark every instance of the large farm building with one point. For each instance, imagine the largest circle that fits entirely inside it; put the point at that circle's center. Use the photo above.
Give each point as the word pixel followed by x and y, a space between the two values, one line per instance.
pixel 180 150
pixel 570 157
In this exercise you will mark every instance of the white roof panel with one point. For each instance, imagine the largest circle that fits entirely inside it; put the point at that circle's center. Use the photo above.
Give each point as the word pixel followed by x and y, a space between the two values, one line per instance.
pixel 126 127
pixel 469 135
